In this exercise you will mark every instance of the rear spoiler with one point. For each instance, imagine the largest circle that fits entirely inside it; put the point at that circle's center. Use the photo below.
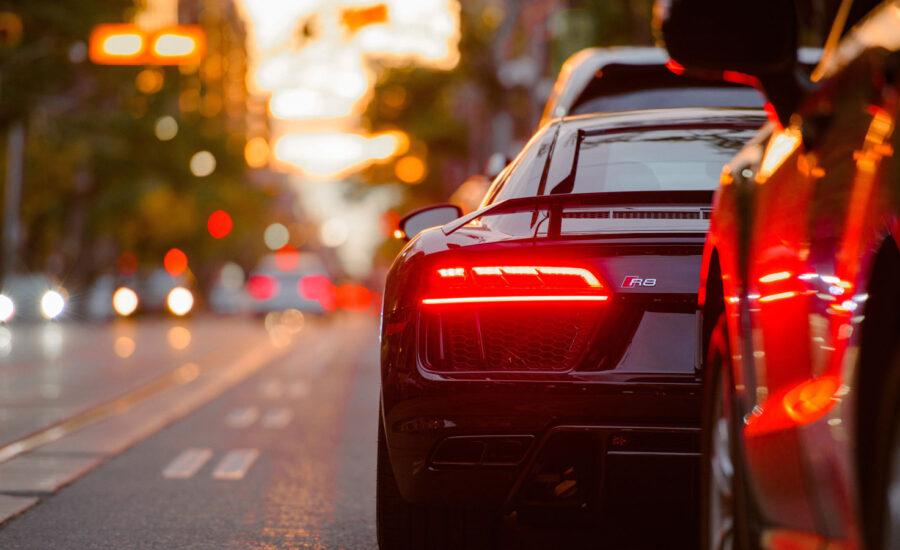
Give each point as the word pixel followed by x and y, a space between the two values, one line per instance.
pixel 557 202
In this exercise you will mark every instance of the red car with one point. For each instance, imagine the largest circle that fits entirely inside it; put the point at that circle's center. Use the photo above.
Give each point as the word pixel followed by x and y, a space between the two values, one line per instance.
pixel 800 289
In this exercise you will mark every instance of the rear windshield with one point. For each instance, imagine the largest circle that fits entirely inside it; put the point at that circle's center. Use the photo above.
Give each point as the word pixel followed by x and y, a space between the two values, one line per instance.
pixel 666 159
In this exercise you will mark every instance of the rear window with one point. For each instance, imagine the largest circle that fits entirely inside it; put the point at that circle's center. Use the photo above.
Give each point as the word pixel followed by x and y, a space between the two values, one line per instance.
pixel 672 97
pixel 665 159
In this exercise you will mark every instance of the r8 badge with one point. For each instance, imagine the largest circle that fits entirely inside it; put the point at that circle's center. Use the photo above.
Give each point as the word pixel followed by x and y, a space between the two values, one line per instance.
pixel 633 281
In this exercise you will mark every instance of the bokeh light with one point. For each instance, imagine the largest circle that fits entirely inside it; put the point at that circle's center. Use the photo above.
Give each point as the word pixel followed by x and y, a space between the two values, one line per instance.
pixel 410 169
pixel 128 263
pixel 334 232
pixel 175 262
pixel 125 301
pixel 219 224
pixel 203 163
pixel 166 128
pixel 287 257
pixel 7 308
pixel 231 276
pixel 52 304
pixel 256 152
pixel 180 301
pixel 149 81
pixel 124 346
pixel 178 337
pixel 276 236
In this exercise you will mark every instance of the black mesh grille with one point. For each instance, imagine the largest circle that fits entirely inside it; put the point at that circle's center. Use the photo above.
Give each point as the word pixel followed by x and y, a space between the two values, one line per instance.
pixel 657 214
pixel 544 338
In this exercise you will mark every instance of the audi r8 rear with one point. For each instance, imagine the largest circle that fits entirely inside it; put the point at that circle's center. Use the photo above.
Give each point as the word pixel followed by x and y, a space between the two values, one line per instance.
pixel 540 354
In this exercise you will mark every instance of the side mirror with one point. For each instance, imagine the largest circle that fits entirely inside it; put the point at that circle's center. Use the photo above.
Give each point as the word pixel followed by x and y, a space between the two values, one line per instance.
pixel 732 38
pixel 419 220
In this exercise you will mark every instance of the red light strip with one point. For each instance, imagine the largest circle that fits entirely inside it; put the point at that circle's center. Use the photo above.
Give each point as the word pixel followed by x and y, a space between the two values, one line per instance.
pixel 499 299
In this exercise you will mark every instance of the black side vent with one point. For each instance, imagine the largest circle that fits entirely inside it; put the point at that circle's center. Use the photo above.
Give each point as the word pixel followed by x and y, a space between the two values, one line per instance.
pixel 657 214
pixel 586 215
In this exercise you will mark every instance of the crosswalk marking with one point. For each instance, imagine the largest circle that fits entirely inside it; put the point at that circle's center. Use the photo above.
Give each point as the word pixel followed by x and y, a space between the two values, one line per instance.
pixel 234 464
pixel 187 463
pixel 243 417
pixel 277 418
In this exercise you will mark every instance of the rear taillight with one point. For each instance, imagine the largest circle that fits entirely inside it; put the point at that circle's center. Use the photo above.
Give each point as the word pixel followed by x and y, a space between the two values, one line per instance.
pixel 507 318
pixel 262 287
pixel 514 283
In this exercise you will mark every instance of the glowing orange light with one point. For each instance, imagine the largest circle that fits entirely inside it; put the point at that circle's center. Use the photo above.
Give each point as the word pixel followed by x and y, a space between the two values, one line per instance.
pixel 219 224
pixel 772 277
pixel 256 152
pixel 779 296
pixel 410 169
pixel 500 299
pixel 356 18
pixel 117 45
pixel 175 262
pixel 178 45
pixel 675 66
pixel 128 44
pixel 811 399
pixel 287 257
pixel 781 146
pixel 353 297
pixel 399 234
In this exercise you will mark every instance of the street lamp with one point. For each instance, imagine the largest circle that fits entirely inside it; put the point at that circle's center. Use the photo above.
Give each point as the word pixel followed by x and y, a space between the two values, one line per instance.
pixel 129 44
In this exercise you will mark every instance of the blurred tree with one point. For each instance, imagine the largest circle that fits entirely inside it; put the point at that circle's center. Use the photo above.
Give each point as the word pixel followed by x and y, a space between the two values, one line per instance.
pixel 98 180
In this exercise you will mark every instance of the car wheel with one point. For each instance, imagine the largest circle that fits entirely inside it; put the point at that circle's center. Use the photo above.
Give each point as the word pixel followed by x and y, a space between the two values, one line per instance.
pixel 727 521
pixel 887 464
pixel 402 525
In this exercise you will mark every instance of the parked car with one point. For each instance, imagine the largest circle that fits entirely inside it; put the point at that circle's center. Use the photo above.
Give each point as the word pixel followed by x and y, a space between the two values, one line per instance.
pixel 800 288
pixel 535 350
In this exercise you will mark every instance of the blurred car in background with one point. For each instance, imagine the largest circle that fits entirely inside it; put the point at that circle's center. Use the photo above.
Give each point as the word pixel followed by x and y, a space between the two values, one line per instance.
pixel 800 289
pixel 538 353
pixel 31 297
pixel 290 280
pixel 155 292
pixel 598 80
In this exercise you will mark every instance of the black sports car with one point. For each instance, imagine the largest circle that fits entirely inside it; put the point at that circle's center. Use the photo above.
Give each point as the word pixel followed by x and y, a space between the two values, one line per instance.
pixel 535 350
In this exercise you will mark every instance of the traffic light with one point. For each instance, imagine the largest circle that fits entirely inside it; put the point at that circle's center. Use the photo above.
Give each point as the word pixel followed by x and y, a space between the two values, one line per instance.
pixel 129 44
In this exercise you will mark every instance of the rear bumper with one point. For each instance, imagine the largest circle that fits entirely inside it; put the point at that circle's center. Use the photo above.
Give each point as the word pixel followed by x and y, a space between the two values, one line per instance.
pixel 606 431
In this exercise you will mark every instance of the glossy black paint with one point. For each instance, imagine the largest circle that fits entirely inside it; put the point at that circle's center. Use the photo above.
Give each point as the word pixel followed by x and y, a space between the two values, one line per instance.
pixel 638 377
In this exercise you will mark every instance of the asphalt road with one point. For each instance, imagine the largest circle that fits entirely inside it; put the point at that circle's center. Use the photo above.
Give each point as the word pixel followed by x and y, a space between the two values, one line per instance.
pixel 219 433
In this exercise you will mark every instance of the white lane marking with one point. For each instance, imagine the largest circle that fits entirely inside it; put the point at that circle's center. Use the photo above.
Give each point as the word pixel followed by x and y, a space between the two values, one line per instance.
pixel 271 388
pixel 277 418
pixel 187 463
pixel 234 464
pixel 243 417
pixel 298 390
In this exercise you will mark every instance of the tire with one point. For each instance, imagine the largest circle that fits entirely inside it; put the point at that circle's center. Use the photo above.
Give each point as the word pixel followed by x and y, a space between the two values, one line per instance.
pixel 727 513
pixel 406 526
pixel 889 463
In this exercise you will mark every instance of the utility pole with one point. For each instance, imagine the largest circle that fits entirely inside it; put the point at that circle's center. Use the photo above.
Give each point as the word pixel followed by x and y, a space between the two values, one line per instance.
pixel 15 171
